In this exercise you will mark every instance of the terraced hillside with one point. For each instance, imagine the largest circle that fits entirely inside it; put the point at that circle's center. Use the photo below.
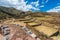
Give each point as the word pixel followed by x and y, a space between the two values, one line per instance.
pixel 33 26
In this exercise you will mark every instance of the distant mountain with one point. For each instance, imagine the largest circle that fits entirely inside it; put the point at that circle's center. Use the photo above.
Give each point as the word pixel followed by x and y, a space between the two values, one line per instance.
pixel 8 12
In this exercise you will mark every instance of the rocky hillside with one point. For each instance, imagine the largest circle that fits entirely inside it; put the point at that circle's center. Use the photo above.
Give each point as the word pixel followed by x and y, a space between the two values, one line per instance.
pixel 12 12
pixel 45 25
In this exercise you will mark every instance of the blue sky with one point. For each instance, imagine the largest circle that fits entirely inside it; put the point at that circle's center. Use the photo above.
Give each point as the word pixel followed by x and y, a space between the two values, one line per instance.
pixel 33 5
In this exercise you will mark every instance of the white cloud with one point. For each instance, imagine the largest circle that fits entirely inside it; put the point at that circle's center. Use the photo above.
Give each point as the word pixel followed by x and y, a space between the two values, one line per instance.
pixel 42 6
pixel 35 3
pixel 55 9
pixel 12 1
pixel 47 1
pixel 27 8
pixel 44 1
pixel 22 5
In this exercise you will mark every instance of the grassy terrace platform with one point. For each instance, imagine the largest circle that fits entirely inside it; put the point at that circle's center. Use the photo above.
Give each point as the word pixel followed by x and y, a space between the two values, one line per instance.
pixel 34 24
pixel 48 31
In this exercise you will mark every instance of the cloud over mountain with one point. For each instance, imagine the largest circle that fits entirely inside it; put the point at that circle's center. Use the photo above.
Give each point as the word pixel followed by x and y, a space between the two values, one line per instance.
pixel 32 5
pixel 22 4
pixel 55 9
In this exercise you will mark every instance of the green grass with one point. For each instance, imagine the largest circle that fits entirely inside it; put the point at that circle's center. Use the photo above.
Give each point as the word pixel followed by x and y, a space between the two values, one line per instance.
pixel 59 35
